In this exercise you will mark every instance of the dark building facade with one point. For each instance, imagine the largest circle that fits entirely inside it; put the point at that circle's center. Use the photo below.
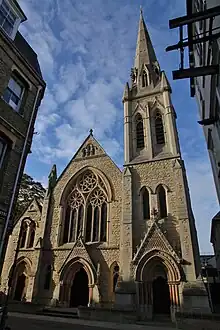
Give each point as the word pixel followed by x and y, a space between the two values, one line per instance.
pixel 21 91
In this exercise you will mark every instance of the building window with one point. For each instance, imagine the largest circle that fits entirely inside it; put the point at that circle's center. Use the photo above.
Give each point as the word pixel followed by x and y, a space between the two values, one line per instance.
pixel 3 148
pixel 115 276
pixel 23 234
pixel 139 131
pixel 48 276
pixel 86 211
pixel 7 18
pixel 162 201
pixel 27 234
pixel 145 203
pixel 159 130
pixel 31 237
pixel 14 93
pixel 145 82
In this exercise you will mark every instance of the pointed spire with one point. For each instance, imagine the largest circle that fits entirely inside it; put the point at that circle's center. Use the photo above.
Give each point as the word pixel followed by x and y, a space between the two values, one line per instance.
pixel 144 50
pixel 126 93
pixel 165 83
pixel 52 179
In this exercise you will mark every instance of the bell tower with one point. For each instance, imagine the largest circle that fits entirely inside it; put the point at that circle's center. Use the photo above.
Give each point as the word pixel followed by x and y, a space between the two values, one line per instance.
pixel 158 233
pixel 149 117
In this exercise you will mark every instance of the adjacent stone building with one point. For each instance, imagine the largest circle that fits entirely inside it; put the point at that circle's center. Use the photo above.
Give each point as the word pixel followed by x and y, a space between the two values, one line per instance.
pixel 106 237
pixel 21 91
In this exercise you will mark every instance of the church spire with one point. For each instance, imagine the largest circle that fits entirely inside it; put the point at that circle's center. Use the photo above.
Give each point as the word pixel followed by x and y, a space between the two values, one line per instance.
pixel 144 50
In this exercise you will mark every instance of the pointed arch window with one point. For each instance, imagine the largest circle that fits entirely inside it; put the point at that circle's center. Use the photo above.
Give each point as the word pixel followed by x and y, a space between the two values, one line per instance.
pixel 115 276
pixel 139 132
pixel 23 234
pixel 159 129
pixel 27 234
pixel 145 80
pixel 86 210
pixel 32 228
pixel 162 200
pixel 145 203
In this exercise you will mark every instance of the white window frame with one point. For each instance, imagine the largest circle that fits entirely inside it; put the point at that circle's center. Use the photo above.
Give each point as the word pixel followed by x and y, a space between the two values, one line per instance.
pixel 16 23
pixel 16 79
pixel 2 155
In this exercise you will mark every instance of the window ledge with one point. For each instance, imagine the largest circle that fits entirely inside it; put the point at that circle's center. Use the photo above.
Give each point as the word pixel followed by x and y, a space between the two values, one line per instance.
pixel 20 114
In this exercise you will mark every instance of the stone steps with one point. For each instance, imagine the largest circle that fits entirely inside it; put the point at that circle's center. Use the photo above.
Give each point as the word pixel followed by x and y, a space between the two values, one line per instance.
pixel 59 312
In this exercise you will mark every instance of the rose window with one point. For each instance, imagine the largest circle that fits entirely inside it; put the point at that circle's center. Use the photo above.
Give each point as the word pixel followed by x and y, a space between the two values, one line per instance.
pixel 87 182
pixel 75 199
pixel 97 198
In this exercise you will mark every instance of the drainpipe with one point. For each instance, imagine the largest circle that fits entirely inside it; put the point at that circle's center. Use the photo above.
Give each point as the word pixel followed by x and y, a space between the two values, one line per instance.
pixel 24 150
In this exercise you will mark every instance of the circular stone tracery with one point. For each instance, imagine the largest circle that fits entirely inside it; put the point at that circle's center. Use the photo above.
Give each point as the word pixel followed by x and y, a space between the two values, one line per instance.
pixel 87 182
pixel 97 198
pixel 75 199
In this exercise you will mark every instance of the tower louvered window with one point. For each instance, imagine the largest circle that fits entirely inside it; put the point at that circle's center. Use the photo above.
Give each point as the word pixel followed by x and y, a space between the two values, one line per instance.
pixel 86 210
pixel 145 82
pixel 159 129
pixel 139 132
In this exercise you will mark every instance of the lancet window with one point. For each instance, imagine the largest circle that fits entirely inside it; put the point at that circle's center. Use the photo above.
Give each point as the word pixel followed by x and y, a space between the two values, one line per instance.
pixel 145 81
pixel 27 234
pixel 115 276
pixel 139 132
pixel 86 210
pixel 145 203
pixel 162 200
pixel 159 129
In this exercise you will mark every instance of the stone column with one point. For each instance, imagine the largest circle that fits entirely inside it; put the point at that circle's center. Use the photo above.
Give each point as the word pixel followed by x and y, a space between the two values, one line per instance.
pixel 90 294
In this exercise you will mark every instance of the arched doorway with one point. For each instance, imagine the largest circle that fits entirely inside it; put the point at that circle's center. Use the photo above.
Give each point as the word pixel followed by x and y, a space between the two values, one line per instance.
pixel 20 287
pixel 161 296
pixel 79 290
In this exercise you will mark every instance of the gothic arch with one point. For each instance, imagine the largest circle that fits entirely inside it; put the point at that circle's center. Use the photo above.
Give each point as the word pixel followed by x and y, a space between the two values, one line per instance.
pixel 162 200
pixel 70 184
pixel 27 233
pixel 67 274
pixel 139 130
pixel 86 208
pixel 22 270
pixel 114 276
pixel 145 195
pixel 159 126
pixel 154 258
pixel 167 189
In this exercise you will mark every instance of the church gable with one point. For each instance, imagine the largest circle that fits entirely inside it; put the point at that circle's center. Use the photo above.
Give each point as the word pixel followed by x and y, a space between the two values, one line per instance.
pixel 154 240
pixel 33 211
pixel 78 250
pixel 89 148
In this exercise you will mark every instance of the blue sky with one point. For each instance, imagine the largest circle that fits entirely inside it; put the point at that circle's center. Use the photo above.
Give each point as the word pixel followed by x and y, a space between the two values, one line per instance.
pixel 86 50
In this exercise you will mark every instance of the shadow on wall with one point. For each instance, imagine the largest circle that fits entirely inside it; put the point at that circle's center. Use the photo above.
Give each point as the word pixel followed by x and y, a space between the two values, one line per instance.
pixel 44 283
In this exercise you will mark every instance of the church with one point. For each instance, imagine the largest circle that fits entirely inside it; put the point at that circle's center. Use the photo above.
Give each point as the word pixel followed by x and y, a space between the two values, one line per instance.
pixel 109 237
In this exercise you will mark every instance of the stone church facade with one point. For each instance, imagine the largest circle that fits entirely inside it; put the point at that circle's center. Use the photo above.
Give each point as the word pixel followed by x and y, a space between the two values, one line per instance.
pixel 106 237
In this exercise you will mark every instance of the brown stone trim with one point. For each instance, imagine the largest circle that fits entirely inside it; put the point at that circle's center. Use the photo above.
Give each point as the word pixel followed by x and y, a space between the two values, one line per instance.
pixel 153 160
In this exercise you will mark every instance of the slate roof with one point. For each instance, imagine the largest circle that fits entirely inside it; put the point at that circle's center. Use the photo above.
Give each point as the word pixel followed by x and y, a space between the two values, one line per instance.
pixel 28 53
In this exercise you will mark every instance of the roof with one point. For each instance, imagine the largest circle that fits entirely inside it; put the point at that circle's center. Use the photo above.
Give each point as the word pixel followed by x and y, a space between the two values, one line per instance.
pixel 28 53
pixel 215 221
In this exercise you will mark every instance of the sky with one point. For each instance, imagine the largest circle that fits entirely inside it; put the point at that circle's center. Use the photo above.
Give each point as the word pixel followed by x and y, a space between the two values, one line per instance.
pixel 86 50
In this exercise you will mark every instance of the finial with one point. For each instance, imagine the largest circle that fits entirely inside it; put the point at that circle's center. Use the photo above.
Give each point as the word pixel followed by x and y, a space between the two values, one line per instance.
pixel 141 10
pixel 91 131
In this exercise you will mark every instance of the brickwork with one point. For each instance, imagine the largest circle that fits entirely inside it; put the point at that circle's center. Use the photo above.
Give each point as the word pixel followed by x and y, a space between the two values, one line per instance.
pixel 14 125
